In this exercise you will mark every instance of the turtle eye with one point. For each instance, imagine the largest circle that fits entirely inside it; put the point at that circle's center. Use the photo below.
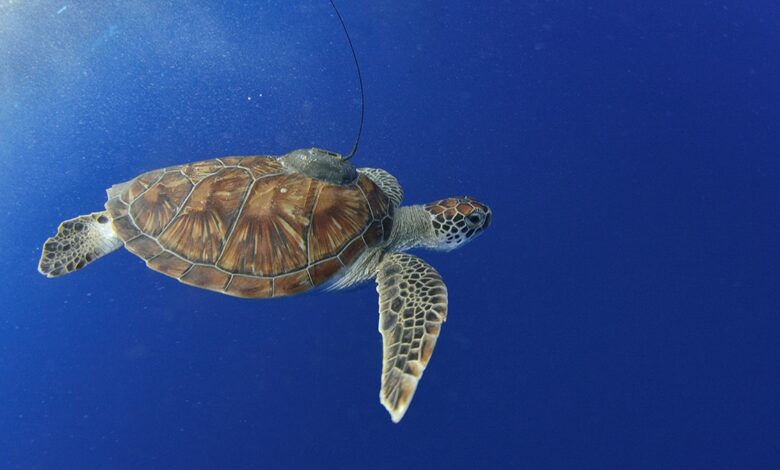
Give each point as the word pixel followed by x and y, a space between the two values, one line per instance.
pixel 475 218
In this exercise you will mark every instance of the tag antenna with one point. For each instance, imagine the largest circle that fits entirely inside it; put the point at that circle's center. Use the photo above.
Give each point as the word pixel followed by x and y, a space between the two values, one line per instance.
pixel 360 80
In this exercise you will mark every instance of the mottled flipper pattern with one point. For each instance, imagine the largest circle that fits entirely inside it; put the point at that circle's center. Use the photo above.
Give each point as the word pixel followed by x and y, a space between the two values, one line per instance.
pixel 412 307
pixel 386 182
pixel 77 243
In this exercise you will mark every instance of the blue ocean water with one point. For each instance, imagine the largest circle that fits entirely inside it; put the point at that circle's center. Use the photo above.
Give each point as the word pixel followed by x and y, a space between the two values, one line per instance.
pixel 621 311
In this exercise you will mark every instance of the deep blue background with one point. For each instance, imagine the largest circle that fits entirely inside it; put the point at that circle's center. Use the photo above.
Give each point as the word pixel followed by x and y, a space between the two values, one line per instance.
pixel 621 312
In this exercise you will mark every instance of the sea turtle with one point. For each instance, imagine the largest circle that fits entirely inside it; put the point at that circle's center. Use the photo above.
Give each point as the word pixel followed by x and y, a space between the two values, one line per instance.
pixel 265 226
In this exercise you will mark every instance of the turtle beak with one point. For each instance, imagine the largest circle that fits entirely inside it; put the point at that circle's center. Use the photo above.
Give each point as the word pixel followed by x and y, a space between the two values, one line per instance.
pixel 488 219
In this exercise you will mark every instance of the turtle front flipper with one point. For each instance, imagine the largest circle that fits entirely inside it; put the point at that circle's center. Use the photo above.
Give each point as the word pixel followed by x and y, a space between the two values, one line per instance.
pixel 77 243
pixel 412 307
pixel 386 182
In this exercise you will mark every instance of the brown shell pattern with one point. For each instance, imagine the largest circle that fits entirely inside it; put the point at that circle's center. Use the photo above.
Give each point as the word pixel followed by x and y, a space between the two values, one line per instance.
pixel 245 227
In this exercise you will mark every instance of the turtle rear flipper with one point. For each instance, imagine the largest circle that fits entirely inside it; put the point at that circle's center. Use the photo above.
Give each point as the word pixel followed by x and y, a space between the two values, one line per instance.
pixel 77 243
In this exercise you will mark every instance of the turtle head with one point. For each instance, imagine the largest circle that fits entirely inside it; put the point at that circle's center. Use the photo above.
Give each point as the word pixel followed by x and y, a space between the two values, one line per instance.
pixel 457 220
